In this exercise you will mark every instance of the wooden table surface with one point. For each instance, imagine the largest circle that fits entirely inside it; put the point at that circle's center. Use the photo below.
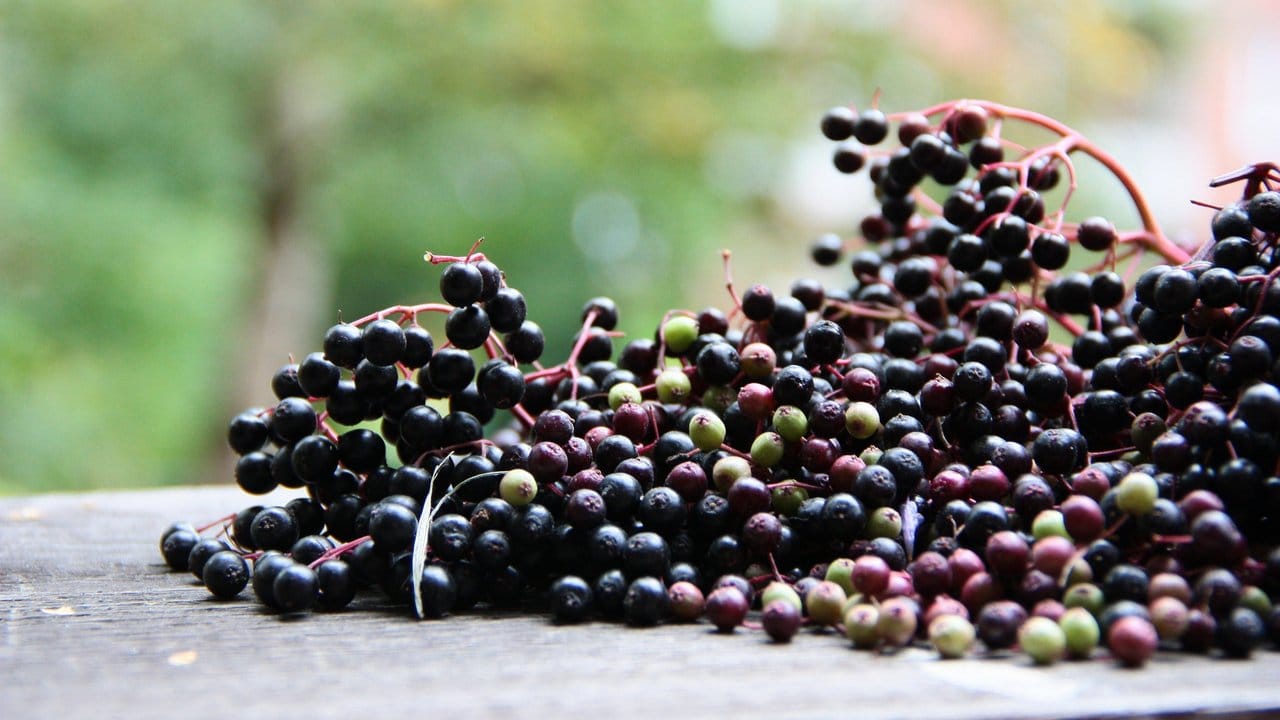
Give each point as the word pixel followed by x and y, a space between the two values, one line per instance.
pixel 94 626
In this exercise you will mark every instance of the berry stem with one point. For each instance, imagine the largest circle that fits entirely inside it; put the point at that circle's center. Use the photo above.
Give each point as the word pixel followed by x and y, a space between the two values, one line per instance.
pixel 340 550
pixel 1073 140
pixel 224 520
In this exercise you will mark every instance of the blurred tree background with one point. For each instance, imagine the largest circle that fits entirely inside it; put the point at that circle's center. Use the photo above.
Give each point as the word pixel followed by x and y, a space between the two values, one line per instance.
pixel 191 192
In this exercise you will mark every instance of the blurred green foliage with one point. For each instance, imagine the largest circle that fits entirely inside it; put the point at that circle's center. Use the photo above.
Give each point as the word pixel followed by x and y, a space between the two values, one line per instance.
pixel 143 145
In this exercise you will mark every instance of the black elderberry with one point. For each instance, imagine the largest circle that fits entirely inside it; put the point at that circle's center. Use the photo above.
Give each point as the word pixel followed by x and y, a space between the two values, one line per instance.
pixel 1264 211
pixel 843 517
pixel 461 284
pixel 967 252
pixel 532 526
pixel 793 386
pixel 438 590
pixel 758 303
pixel 1241 631
pixel 293 419
pixel 200 553
pixel 646 553
pixel 225 574
pixel 986 151
pixel 662 510
pixel 273 528
pixel 247 432
pixel 871 127
pixel 645 602
pixel 392 526
pixel 827 249
pixel 375 382
pixel 285 382
pixel 1233 253
pixel 849 158
pixel 570 599
pixel 253 473
pixel 788 317
pixel 314 458
pixel 467 327
pixel 383 342
pixel 343 345
pixel 718 363
pixel 1050 251
pixel 837 124
pixel 336 583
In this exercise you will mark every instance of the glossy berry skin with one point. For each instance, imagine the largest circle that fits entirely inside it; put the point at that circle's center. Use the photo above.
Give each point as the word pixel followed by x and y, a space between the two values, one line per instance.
pixel 293 419
pixel 201 552
pixel 337 584
pixel 225 574
pixel 383 342
pixel 176 547
pixel 824 342
pixel 837 124
pixel 647 553
pixel 247 432
pixel 296 588
pixel 274 528
pixel 570 599
pixel 392 527
pixel 461 284
pixel 418 347
pixel 343 345
pixel 439 592
pixel 468 327
pixel 645 603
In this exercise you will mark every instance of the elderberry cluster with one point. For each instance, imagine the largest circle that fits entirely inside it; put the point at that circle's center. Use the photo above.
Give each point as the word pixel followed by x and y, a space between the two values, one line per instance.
pixel 965 441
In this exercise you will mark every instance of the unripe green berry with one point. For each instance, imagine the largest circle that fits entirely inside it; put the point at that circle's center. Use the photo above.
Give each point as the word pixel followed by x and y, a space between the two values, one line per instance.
pixel 767 449
pixel 1137 494
pixel 787 499
pixel 706 430
pixel 1081 632
pixel 1145 429
pixel 1084 595
pixel 951 635
pixel 1049 523
pixel 623 393
pixel 860 625
pixel 1077 572
pixel 871 455
pixel 778 590
pixel 758 360
pixel 673 386
pixel 1255 598
pixel 1042 639
pixel 884 522
pixel 679 333
pixel 862 420
pixel 897 623
pixel 729 470
pixel 790 422
pixel 824 602
pixel 840 572
pixel 852 601
pixel 718 398
pixel 518 487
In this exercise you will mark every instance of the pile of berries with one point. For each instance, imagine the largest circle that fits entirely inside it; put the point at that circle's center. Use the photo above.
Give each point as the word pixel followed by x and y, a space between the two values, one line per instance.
pixel 1005 427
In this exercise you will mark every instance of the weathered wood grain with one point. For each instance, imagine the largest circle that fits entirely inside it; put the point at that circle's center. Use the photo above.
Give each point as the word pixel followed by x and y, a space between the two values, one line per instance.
pixel 144 643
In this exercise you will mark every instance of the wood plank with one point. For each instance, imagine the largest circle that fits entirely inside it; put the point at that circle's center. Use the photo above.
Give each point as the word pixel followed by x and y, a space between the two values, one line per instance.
pixel 144 642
